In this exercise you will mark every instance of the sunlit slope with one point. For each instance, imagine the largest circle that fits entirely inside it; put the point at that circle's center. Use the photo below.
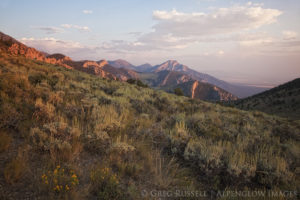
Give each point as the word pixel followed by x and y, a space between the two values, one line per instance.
pixel 106 139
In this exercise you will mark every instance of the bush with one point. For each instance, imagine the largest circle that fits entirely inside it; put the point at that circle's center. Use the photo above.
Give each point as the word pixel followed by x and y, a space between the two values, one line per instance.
pixel 97 143
pixel 137 82
pixel 36 78
pixel 53 80
pixel 105 184
pixel 179 137
pixel 9 117
pixel 141 84
pixel 205 154
pixel 43 112
pixel 14 170
pixel 60 140
pixel 178 92
pixel 5 141
pixel 122 147
pixel 131 81
pixel 59 181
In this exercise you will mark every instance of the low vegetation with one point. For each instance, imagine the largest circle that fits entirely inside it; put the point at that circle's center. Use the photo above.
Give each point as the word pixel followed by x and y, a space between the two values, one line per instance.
pixel 283 101
pixel 65 134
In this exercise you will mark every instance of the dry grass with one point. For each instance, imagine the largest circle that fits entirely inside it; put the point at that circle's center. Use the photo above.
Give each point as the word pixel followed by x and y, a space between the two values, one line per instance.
pixel 146 138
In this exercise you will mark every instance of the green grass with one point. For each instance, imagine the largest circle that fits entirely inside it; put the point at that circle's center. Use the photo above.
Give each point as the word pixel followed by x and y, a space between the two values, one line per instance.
pixel 146 139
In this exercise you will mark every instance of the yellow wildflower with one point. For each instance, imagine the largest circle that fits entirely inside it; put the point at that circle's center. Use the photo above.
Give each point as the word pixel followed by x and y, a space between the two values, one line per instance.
pixel 74 176
pixel 67 187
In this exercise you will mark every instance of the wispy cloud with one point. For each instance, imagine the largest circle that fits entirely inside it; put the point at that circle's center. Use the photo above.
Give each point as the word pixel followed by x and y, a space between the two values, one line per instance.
pixel 50 29
pixel 80 28
pixel 53 45
pixel 289 35
pixel 87 12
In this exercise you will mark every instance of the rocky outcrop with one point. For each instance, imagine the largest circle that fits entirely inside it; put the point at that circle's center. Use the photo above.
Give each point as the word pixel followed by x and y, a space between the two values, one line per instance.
pixel 194 86
pixel 11 46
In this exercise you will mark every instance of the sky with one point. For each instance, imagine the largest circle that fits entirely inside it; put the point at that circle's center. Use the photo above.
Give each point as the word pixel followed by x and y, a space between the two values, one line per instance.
pixel 246 42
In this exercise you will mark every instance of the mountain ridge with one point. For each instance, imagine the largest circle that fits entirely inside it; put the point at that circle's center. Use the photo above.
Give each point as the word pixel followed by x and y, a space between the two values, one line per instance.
pixel 241 91
pixel 121 70
pixel 170 80
pixel 283 100
pixel 14 47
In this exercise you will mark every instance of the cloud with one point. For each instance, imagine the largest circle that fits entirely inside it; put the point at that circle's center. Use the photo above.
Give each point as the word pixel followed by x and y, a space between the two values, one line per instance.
pixel 220 21
pixel 177 30
pixel 255 39
pixel 80 28
pixel 221 52
pixel 67 25
pixel 289 35
pixel 87 11
pixel 49 29
pixel 52 45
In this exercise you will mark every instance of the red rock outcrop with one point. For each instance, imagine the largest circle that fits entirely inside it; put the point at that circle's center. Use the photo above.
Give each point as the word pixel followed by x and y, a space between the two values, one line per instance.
pixel 13 47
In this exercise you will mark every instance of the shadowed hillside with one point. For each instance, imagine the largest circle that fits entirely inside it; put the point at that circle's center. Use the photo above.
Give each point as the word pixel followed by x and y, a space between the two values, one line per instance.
pixel 283 100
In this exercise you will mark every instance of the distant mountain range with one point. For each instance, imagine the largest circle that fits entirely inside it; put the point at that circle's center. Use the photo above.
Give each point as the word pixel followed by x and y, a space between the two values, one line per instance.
pixel 283 100
pixel 166 76
pixel 172 65
pixel 170 80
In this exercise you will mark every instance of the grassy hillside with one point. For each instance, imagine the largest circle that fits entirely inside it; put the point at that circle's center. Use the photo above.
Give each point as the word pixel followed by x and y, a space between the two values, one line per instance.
pixel 65 134
pixel 283 101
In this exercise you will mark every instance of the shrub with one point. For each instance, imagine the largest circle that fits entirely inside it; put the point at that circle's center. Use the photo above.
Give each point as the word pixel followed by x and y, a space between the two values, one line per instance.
pixel 179 137
pixel 141 107
pixel 97 143
pixel 60 140
pixel 56 98
pixel 36 78
pixel 43 112
pixel 122 147
pixel 131 81
pixel 14 170
pixel 5 141
pixel 205 154
pixel 53 80
pixel 141 84
pixel 178 92
pixel 9 116
pixel 137 82
pixel 59 181
pixel 105 184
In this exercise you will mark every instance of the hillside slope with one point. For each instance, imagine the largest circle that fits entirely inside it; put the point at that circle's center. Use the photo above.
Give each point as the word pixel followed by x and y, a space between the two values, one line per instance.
pixel 283 100
pixel 100 68
pixel 65 134
pixel 170 80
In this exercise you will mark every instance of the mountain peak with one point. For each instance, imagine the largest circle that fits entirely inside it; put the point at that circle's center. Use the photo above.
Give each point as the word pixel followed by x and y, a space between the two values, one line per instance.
pixel 171 65
pixel 121 64
pixel 172 62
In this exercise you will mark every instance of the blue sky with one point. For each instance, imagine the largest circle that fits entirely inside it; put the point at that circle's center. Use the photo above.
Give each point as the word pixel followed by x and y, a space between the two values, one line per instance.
pixel 250 42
